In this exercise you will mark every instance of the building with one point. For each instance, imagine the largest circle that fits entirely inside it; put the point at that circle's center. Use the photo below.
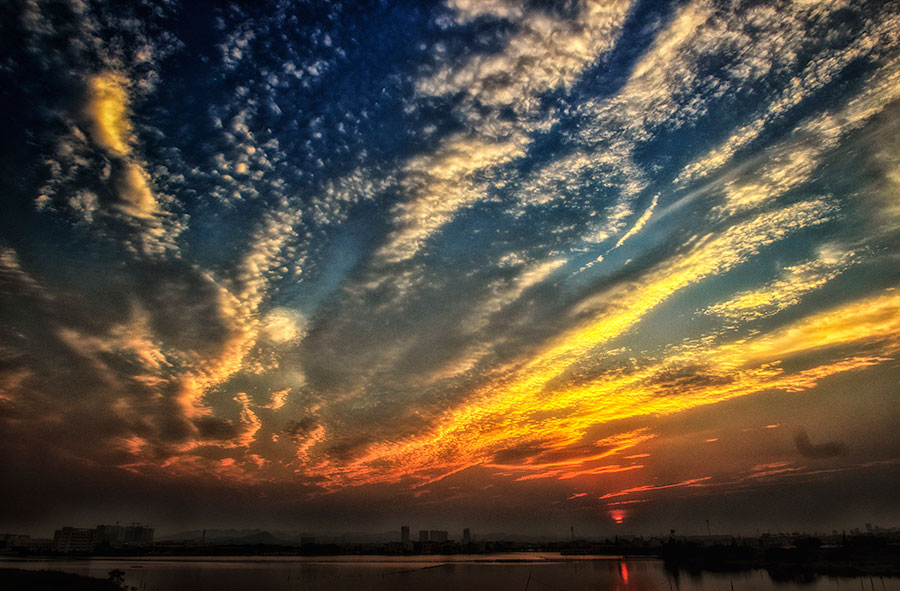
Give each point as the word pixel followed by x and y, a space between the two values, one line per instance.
pixel 110 536
pixel 404 533
pixel 423 535
pixel 437 535
pixel 10 541
pixel 40 545
pixel 138 534
pixel 121 536
pixel 26 542
pixel 69 540
pixel 467 536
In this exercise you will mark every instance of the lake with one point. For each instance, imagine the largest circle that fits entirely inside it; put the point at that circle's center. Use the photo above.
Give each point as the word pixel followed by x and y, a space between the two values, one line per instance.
pixel 497 572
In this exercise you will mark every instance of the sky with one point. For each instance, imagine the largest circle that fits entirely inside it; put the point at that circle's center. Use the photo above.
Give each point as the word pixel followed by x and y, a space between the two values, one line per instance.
pixel 626 266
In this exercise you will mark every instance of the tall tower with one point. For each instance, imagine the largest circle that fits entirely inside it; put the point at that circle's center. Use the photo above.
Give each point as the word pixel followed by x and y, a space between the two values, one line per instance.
pixel 404 533
pixel 467 536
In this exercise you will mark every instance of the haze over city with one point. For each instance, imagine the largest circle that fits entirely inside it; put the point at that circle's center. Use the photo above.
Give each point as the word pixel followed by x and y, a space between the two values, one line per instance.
pixel 627 266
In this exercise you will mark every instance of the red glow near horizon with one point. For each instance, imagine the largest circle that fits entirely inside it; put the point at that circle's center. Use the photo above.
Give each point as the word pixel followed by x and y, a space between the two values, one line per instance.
pixel 618 515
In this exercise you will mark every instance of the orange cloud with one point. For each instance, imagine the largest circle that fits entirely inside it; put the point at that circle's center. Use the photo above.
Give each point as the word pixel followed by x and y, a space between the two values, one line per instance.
pixel 650 487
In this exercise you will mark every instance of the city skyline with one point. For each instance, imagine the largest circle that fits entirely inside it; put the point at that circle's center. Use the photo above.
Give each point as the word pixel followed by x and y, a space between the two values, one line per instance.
pixel 141 538
pixel 617 265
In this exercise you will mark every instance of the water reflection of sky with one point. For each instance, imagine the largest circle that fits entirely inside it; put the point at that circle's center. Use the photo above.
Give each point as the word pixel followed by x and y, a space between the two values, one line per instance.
pixel 498 573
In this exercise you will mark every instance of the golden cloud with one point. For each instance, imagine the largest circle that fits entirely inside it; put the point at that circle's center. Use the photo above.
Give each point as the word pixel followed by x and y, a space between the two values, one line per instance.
pixel 108 111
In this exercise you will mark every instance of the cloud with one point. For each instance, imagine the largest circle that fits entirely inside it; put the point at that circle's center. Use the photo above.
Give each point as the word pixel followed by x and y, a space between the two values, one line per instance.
pixel 692 482
pixel 278 399
pixel 866 320
pixel 14 280
pixel 678 47
pixel 283 326
pixel 134 190
pixel 639 224
pixel 94 65
pixel 565 178
pixel 131 342
pixel 663 92
pixel 793 282
pixel 505 291
pixel 807 449
pixel 108 111
pixel 670 87
pixel 266 280
pixel 214 428
pixel 250 421
pixel 547 51
pixel 517 415
pixel 439 186
pixel 814 76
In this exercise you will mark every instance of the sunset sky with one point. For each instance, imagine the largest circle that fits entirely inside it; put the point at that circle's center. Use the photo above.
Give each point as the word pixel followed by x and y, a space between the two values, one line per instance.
pixel 505 265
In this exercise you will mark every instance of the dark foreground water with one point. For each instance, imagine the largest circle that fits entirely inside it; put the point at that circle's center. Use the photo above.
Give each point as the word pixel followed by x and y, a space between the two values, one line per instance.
pixel 531 572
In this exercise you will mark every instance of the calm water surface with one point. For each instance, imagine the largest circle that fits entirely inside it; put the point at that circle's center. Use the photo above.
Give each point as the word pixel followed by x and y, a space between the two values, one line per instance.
pixel 532 572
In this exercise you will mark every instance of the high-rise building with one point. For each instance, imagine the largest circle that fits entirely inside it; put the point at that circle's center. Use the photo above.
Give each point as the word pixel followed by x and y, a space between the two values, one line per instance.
pixel 138 534
pixel 437 535
pixel 118 536
pixel 423 535
pixel 467 536
pixel 404 533
pixel 112 536
pixel 74 539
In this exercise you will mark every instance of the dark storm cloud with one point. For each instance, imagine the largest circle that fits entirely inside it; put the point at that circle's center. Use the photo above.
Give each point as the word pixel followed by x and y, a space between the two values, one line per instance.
pixel 818 451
